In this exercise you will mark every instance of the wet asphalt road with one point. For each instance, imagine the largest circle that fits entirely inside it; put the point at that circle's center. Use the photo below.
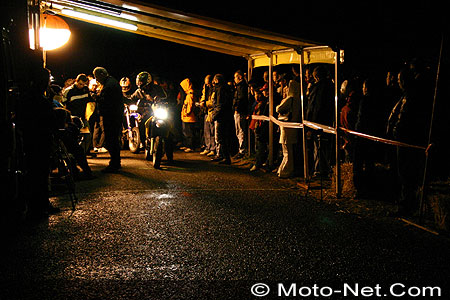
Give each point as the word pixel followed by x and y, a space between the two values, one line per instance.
pixel 198 230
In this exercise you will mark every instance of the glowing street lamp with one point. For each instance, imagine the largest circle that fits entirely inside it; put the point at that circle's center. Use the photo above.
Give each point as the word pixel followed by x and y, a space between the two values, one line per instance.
pixel 53 33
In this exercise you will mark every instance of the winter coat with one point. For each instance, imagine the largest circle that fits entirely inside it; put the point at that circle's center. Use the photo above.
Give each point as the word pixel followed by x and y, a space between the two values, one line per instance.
pixel 409 120
pixel 207 101
pixel 261 127
pixel 187 112
pixel 240 100
pixel 109 101
pixel 290 104
pixel 77 99
pixel 147 94
pixel 223 103
pixel 321 103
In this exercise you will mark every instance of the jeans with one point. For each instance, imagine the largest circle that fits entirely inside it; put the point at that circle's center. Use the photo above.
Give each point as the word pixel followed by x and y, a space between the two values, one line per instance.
pixel 240 124
pixel 209 134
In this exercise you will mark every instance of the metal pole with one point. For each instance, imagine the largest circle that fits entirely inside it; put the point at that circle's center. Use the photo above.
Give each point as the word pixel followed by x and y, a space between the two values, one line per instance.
pixel 249 131
pixel 422 191
pixel 270 109
pixel 34 21
pixel 336 90
pixel 302 101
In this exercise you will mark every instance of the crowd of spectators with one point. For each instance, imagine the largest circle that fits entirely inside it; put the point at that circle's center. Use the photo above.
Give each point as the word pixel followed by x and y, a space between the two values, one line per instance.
pixel 216 121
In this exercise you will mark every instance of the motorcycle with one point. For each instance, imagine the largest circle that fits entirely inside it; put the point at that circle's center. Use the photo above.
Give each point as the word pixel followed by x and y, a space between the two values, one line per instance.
pixel 131 132
pixel 159 140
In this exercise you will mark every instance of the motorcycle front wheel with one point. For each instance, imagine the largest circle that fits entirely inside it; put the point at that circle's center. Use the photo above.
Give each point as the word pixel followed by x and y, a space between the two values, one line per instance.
pixel 134 141
pixel 157 152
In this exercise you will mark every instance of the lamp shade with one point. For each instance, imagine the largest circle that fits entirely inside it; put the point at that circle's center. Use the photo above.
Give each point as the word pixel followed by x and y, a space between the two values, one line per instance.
pixel 53 33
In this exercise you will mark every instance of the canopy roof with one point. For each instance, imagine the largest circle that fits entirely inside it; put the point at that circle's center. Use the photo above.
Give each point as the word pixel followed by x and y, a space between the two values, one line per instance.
pixel 185 28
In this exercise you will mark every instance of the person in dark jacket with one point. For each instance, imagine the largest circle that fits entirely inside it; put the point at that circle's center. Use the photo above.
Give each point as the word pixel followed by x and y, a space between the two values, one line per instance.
pixel 320 110
pixel 409 123
pixel 36 120
pixel 110 107
pixel 223 118
pixel 146 94
pixel 261 129
pixel 369 121
pixel 240 107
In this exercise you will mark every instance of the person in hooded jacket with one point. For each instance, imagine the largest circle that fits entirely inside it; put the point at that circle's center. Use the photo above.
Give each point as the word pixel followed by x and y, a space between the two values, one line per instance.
pixel 188 116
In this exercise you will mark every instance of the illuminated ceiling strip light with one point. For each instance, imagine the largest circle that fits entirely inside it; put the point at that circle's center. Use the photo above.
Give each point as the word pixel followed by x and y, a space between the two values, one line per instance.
pixel 96 19
pixel 130 7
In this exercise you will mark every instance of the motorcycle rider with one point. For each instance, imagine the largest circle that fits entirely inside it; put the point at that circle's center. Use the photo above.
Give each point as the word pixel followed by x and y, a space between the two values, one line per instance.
pixel 125 84
pixel 147 93
pixel 127 91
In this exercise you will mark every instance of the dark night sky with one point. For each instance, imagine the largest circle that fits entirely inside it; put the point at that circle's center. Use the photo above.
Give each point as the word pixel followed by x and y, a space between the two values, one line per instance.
pixel 372 33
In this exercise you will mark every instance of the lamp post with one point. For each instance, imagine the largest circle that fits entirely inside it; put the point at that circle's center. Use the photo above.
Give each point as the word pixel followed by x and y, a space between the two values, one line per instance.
pixel 53 33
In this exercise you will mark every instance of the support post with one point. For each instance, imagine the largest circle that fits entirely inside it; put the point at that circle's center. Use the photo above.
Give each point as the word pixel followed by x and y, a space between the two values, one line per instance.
pixel 336 90
pixel 430 134
pixel 270 109
pixel 302 101
pixel 249 77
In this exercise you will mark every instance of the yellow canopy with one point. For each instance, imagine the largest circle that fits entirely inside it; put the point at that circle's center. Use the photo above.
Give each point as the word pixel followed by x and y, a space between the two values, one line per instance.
pixel 191 30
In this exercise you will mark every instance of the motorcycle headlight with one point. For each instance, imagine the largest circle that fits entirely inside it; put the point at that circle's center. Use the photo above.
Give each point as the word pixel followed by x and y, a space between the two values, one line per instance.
pixel 133 107
pixel 161 113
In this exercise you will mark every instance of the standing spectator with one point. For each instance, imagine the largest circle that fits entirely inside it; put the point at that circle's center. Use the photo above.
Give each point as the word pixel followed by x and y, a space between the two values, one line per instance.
pixel 172 93
pixel 36 120
pixel 392 94
pixel 284 85
pixel 309 81
pixel 261 129
pixel 188 116
pixel 223 117
pixel 240 107
pixel 409 123
pixel 369 121
pixel 110 109
pixel 98 134
pixel 208 127
pixel 289 136
pixel 351 94
pixel 320 110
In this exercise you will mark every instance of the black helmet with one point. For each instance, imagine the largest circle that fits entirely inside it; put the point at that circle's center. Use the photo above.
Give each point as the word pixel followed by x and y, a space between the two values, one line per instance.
pixel 143 78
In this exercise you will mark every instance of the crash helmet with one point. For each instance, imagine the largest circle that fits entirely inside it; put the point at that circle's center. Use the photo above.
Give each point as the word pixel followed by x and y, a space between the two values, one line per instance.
pixel 125 83
pixel 143 78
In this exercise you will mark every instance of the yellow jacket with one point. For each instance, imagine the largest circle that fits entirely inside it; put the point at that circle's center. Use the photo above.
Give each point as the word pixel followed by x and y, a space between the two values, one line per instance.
pixel 187 112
